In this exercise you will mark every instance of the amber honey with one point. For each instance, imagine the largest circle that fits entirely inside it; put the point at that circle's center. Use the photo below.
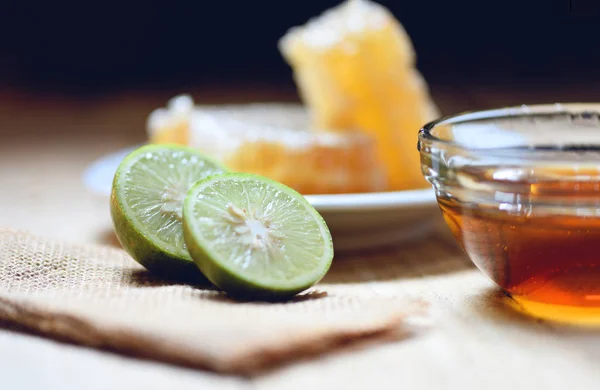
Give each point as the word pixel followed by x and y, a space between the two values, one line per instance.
pixel 543 248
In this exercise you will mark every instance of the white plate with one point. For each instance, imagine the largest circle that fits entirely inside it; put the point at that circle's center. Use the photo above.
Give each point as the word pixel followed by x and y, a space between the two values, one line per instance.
pixel 356 221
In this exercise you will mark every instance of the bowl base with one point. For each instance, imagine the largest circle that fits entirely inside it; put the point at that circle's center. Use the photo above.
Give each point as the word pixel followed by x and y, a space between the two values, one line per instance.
pixel 588 316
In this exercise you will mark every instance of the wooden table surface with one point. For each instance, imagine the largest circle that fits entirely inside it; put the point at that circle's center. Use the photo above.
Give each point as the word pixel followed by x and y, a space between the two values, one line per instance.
pixel 472 340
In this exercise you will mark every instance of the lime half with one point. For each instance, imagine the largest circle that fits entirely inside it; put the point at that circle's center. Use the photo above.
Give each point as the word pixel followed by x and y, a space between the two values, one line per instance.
pixel 254 237
pixel 146 205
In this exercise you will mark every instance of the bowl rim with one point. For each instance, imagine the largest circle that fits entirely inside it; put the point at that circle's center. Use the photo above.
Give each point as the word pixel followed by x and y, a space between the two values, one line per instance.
pixel 525 110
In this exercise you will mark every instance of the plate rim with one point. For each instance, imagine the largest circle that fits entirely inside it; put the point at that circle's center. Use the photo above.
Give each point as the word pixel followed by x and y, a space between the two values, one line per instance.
pixel 322 202
pixel 373 200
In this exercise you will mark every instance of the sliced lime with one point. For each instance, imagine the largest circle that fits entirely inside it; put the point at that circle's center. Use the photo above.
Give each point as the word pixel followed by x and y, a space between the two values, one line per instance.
pixel 254 237
pixel 146 205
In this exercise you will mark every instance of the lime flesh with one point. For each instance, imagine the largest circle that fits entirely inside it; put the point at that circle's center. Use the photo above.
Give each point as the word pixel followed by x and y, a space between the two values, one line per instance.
pixel 146 205
pixel 254 237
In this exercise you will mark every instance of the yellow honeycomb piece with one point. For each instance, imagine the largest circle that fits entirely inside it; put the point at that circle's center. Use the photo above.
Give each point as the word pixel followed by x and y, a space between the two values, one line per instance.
pixel 355 70
pixel 272 140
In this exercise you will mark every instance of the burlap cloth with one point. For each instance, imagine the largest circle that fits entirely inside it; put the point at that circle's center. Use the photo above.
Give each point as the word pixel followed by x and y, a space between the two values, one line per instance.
pixel 99 297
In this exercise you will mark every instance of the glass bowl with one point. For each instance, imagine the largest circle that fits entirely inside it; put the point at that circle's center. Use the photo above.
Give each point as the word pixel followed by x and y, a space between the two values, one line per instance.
pixel 520 190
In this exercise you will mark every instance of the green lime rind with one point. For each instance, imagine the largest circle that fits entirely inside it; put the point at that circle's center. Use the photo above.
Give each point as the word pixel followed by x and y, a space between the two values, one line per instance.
pixel 234 281
pixel 139 242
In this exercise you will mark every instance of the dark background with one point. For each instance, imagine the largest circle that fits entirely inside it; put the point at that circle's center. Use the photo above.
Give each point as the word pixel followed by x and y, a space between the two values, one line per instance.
pixel 94 47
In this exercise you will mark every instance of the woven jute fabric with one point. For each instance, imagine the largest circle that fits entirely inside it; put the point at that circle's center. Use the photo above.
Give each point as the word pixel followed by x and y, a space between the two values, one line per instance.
pixel 99 297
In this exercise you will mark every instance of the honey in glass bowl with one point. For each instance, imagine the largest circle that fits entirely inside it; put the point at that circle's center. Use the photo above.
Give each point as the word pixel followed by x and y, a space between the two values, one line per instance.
pixel 520 190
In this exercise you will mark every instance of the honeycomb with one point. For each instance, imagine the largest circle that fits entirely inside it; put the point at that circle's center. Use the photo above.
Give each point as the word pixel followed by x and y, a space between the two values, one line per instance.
pixel 354 66
pixel 272 140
